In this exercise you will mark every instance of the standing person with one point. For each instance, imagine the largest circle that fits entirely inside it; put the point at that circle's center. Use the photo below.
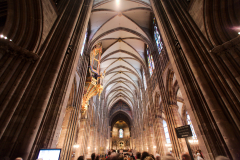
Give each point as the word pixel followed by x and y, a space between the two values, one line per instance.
pixel 138 155
pixel 158 156
pixel 152 156
pixel 201 155
pixel 144 155
pixel 198 155
pixel 93 156
pixel 109 155
pixel 80 158
pixel 97 158
pixel 131 156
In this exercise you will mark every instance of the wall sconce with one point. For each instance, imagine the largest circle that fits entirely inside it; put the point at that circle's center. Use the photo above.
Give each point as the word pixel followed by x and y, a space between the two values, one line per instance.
pixel 88 147
pixel 154 146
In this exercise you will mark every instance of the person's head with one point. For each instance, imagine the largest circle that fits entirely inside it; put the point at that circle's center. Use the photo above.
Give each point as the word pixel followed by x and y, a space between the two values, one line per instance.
pixel 18 158
pixel 93 156
pixel 152 156
pixel 138 155
pixel 117 157
pixel 97 158
pixel 109 153
pixel 199 151
pixel 148 158
pixel 144 155
pixel 81 158
pixel 186 156
pixel 158 157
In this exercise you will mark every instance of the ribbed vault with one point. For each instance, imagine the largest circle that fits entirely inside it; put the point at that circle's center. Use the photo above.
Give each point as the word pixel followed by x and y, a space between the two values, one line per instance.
pixel 123 28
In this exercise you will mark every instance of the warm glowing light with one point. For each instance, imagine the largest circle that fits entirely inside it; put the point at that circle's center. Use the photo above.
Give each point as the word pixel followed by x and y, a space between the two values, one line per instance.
pixel 155 147
pixel 10 40
pixel 76 145
pixel 1 36
pixel 168 145
pixel 5 37
pixel 88 147
pixel 193 141
pixel 147 148
pixel 95 148
pixel 238 32
pixel 117 1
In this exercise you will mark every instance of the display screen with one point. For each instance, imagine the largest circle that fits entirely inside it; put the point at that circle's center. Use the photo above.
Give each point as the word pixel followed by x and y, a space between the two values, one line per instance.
pixel 49 154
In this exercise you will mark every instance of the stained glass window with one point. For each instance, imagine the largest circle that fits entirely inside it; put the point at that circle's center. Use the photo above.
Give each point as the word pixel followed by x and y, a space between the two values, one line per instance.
pixel 120 133
pixel 150 62
pixel 189 122
pixel 166 132
pixel 84 42
pixel 144 81
pixel 157 37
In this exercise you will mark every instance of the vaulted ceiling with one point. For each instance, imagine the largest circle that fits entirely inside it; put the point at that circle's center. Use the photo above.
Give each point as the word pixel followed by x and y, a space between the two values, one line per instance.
pixel 123 27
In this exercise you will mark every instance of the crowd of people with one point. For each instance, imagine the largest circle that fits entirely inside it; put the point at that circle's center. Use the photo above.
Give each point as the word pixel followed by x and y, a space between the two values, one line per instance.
pixel 147 156
pixel 144 156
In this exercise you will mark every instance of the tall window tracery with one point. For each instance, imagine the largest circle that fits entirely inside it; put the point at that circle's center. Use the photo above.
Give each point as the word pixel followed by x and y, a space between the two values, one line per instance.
pixel 120 133
pixel 150 62
pixel 189 122
pixel 166 132
pixel 157 36
pixel 84 42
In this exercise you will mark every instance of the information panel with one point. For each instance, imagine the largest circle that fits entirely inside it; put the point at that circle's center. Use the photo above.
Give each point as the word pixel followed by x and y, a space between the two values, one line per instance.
pixel 184 131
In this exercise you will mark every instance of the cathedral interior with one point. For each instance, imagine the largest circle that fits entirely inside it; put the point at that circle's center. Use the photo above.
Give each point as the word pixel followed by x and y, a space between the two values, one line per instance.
pixel 90 76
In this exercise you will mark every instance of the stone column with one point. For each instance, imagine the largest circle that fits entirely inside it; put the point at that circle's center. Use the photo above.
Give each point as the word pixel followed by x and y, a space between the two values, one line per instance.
pixel 200 78
pixel 160 136
pixel 65 140
pixel 42 95
pixel 172 123
pixel 80 140
pixel 109 138
pixel 178 123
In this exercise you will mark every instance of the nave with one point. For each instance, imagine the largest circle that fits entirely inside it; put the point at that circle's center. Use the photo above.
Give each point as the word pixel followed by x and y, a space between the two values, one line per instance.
pixel 155 77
